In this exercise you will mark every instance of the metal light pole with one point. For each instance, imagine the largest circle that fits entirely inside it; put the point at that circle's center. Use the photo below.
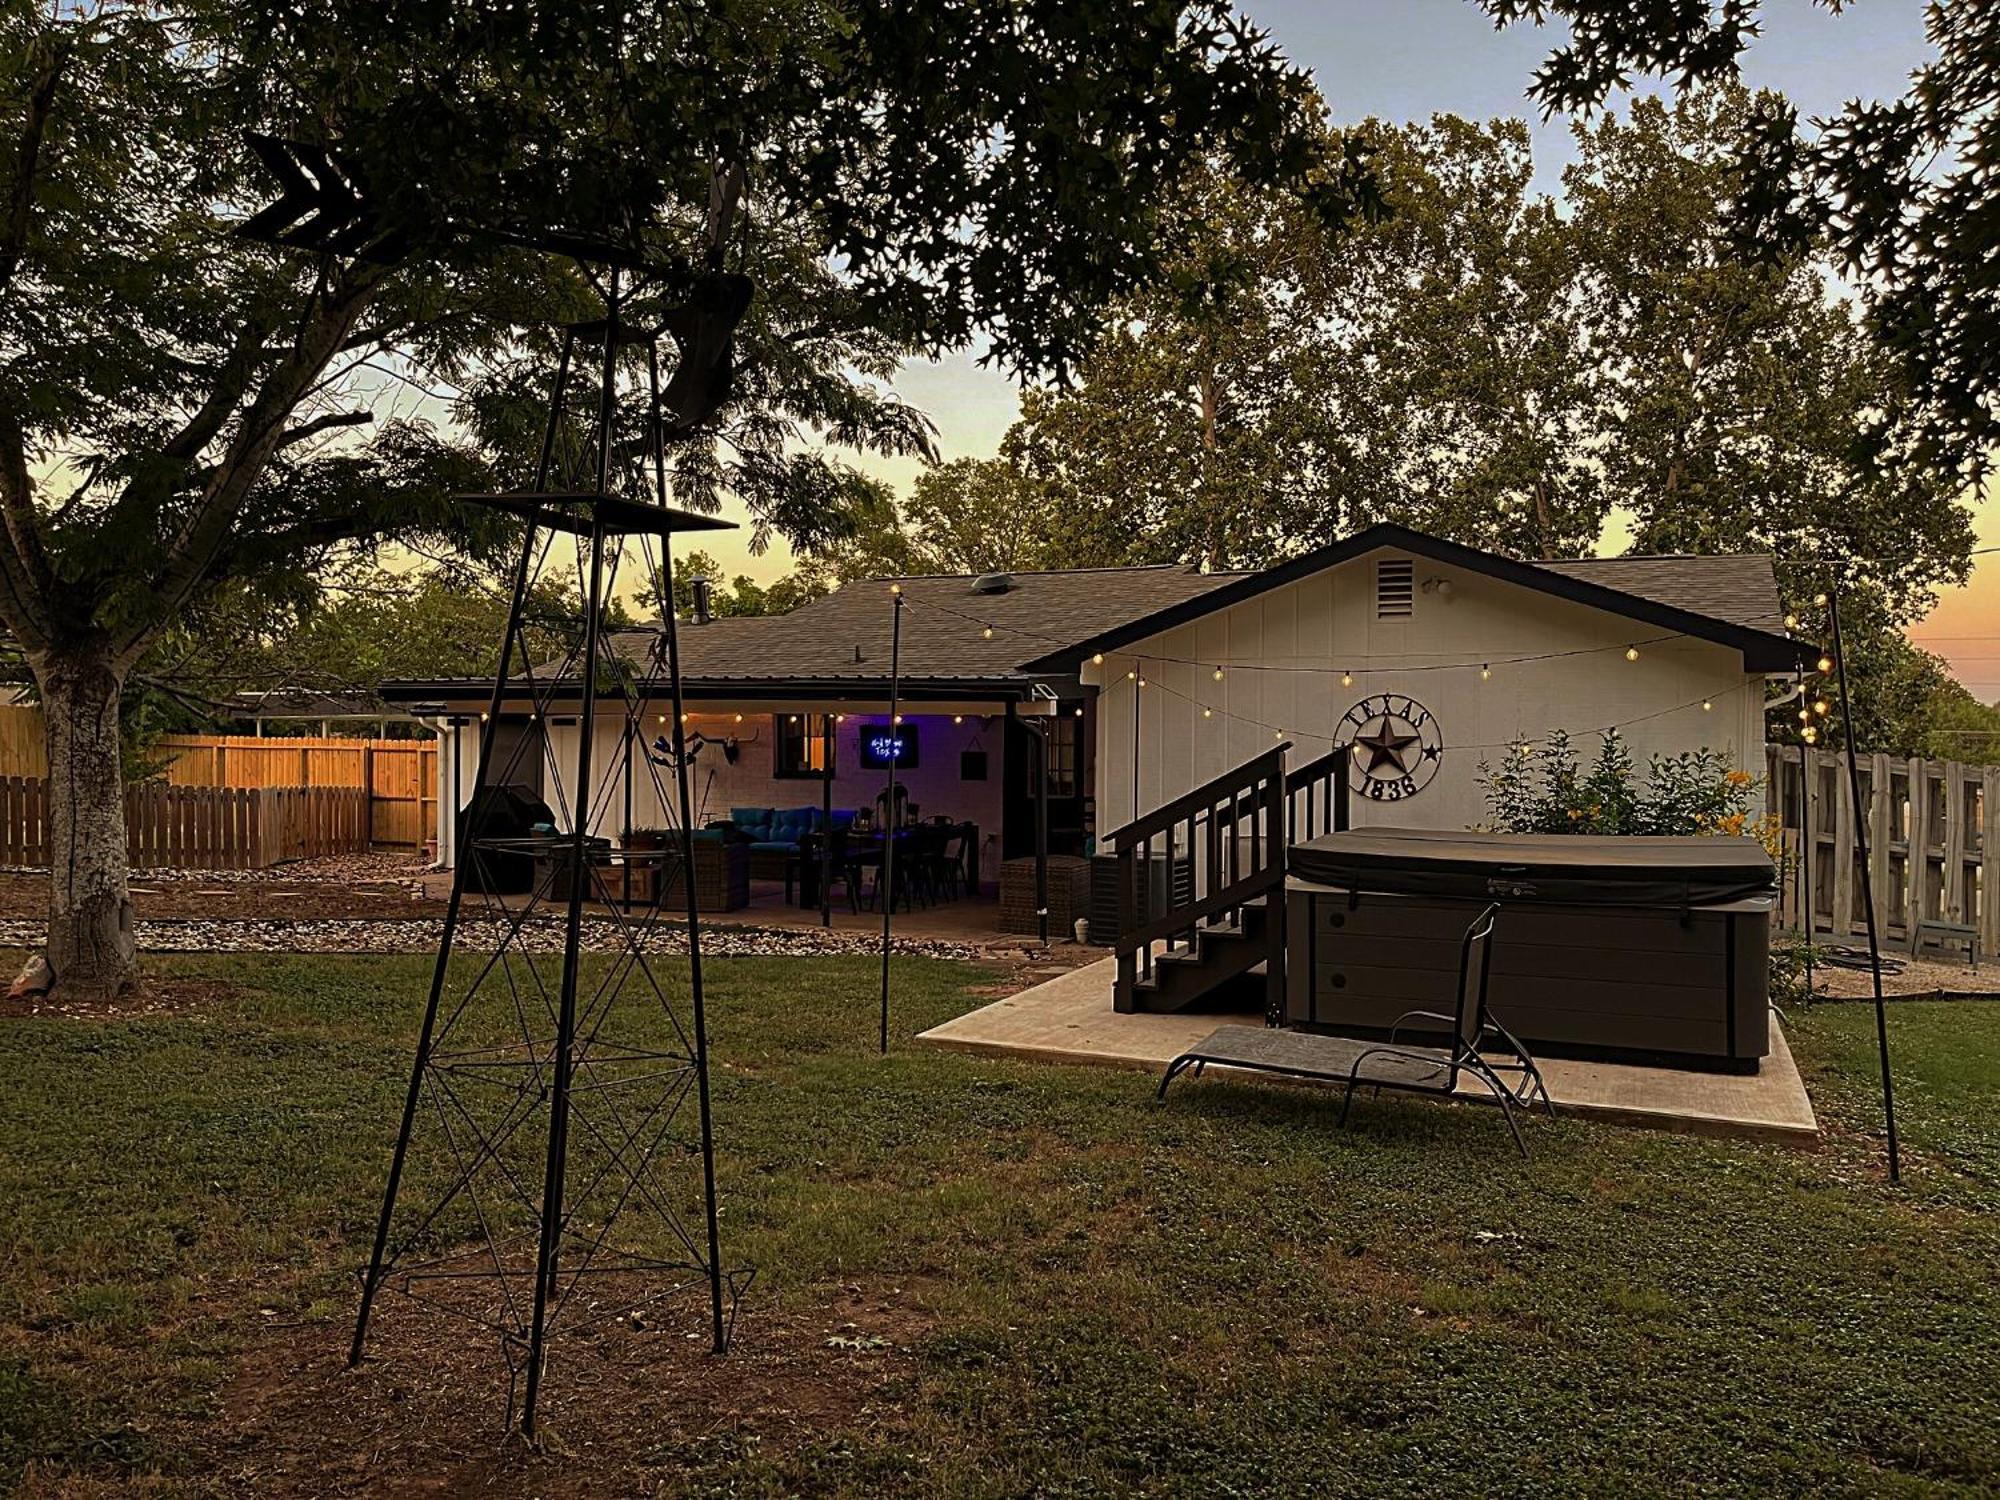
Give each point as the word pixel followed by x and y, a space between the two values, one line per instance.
pixel 1867 885
pixel 888 885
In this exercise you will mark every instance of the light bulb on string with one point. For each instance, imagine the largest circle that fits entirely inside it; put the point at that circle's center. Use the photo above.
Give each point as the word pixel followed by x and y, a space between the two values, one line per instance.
pixel 1218 674
pixel 1347 679
pixel 987 632
pixel 895 588
pixel 1707 705
pixel 1097 659
pixel 1486 672
pixel 1826 664
pixel 1791 622
pixel 1130 676
pixel 1208 713
pixel 1809 734
pixel 1822 707
pixel 1820 600
pixel 1631 653
pixel 1142 682
pixel 897 720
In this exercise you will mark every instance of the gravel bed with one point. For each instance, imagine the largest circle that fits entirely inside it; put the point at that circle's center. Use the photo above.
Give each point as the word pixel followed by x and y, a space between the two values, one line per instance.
pixel 482 933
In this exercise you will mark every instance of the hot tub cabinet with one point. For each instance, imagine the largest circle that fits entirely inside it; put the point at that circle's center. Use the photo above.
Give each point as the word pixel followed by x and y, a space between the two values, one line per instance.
pixel 1647 949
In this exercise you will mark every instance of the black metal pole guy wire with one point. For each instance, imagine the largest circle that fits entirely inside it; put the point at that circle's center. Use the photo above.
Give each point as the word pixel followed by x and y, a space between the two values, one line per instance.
pixel 1867 885
pixel 887 890
pixel 371 1282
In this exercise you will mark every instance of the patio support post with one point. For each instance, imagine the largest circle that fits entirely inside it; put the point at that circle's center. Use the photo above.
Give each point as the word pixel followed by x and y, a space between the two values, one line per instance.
pixel 371 1282
pixel 1040 733
pixel 1867 891
pixel 825 820
pixel 887 890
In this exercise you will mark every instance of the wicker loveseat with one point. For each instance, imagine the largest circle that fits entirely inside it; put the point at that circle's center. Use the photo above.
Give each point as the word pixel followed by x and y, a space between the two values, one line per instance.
pixel 775 834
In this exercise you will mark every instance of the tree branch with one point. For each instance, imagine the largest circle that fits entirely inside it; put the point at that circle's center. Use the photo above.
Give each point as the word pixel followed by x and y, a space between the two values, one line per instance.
pixel 26 579
pixel 27 154
pixel 204 534
pixel 327 423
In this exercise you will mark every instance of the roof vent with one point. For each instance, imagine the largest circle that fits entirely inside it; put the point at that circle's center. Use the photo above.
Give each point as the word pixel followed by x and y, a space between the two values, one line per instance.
pixel 993 583
pixel 1395 588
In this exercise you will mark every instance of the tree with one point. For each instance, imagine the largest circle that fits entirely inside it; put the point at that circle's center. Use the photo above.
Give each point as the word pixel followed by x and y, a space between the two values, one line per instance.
pixel 173 400
pixel 1900 193
pixel 1739 392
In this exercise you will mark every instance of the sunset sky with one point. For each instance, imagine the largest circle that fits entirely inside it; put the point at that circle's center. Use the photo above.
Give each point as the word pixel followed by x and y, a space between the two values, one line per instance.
pixel 1407 59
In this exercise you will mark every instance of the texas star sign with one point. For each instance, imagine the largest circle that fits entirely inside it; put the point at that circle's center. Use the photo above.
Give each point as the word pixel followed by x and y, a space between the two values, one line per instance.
pixel 1393 746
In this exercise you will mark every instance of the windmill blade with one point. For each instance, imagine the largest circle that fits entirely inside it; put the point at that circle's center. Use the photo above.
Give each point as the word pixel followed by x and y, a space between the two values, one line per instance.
pixel 319 208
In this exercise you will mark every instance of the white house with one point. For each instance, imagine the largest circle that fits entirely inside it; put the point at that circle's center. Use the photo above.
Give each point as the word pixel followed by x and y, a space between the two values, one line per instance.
pixel 1427 657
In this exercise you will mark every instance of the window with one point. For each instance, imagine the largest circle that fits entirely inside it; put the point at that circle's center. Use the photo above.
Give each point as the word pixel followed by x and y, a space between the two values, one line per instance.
pixel 1063 737
pixel 1395 588
pixel 802 750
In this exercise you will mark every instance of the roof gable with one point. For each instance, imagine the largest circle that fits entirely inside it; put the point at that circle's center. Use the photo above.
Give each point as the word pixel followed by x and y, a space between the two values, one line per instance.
pixel 1764 650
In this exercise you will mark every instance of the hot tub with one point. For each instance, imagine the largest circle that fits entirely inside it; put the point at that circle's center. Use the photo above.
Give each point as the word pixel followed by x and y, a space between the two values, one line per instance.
pixel 1637 949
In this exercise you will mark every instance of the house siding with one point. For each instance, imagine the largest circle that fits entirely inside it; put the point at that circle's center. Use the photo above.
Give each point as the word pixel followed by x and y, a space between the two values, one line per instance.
pixel 1282 653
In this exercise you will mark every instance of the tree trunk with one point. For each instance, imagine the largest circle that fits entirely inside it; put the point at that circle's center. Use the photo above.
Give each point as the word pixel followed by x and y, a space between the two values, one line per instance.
pixel 90 943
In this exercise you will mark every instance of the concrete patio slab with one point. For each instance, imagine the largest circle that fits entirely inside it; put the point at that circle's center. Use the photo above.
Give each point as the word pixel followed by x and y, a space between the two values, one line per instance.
pixel 1069 1019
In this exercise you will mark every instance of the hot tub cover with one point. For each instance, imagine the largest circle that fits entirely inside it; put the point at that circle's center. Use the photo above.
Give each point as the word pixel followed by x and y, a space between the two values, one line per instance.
pixel 1571 870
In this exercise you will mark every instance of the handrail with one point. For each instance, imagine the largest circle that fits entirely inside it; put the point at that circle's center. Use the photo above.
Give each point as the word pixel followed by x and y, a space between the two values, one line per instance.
pixel 1199 861
pixel 1164 817
pixel 1314 769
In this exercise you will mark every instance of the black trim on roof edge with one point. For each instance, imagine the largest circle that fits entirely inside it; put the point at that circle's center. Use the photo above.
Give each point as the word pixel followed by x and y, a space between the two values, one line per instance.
pixel 803 689
pixel 1762 650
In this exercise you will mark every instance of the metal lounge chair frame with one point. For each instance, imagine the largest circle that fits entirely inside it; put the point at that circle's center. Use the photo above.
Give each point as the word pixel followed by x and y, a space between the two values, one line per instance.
pixel 1423 1069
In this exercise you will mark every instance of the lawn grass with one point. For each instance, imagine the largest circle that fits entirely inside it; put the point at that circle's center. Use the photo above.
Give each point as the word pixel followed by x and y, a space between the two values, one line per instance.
pixel 1225 1295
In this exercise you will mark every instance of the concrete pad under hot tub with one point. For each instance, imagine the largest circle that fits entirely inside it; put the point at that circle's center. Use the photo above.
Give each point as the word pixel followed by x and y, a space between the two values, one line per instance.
pixel 1069 1019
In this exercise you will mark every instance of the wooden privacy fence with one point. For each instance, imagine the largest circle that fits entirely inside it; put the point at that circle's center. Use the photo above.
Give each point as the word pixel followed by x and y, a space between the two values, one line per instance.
pixel 201 828
pixel 1929 825
pixel 400 776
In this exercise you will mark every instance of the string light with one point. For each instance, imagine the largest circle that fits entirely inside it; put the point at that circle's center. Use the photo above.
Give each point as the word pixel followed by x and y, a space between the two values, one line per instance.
pixel 1142 682
pixel 1207 713
pixel 1821 707
pixel 1347 679
pixel 895 588
pixel 739 718
pixel 897 720
pixel 1631 653
pixel 840 718
pixel 1805 716
pixel 987 632
pixel 484 716
pixel 1097 659
pixel 1820 600
pixel 1791 622
pixel 1218 674
pixel 1809 734
pixel 1485 672
pixel 1707 706
pixel 1826 664
pixel 1130 675
pixel 1079 711
pixel 958 718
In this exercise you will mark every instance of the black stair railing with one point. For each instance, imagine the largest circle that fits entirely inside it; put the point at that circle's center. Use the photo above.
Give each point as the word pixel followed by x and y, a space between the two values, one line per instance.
pixel 1197 861
pixel 1316 797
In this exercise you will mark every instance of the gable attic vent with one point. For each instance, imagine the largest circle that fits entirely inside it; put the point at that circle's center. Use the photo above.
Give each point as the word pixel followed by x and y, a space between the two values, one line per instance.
pixel 993 583
pixel 1395 588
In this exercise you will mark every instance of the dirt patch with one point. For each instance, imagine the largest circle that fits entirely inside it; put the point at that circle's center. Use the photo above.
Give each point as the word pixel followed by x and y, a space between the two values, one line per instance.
pixel 624 1410
pixel 153 995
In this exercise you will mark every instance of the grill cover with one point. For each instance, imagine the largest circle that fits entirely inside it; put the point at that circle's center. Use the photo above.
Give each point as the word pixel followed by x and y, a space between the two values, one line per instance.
pixel 1549 867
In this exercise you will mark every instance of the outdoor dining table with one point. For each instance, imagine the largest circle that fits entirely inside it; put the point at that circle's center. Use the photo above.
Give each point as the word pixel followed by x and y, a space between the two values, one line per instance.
pixel 864 847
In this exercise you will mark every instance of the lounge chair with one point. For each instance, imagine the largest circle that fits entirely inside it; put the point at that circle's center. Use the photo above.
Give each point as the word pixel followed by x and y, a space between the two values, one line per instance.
pixel 1415 1069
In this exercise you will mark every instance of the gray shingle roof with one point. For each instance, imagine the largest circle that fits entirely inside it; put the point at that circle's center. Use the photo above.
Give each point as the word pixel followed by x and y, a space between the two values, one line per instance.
pixel 1740 588
pixel 846 634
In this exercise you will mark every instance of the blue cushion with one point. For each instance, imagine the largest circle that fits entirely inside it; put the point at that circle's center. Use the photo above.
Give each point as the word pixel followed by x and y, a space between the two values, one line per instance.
pixel 755 821
pixel 773 846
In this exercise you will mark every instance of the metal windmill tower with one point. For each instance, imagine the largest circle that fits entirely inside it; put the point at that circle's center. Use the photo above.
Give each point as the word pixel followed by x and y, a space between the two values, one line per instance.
pixel 555 1162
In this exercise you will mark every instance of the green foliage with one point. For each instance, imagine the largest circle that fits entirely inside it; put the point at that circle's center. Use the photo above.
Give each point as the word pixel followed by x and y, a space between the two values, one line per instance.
pixel 1544 789
pixel 1482 364
pixel 1898 193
